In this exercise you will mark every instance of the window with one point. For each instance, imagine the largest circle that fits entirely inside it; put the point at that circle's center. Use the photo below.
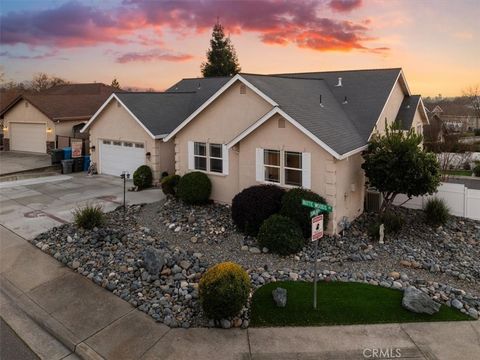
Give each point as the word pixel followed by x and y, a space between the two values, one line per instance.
pixel 419 129
pixel 200 156
pixel 216 161
pixel 138 145
pixel 106 142
pixel 117 143
pixel 293 168
pixel 271 161
pixel 128 144
pixel 287 168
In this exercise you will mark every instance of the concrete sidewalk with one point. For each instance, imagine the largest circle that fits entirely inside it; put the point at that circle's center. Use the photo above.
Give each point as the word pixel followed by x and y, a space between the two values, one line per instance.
pixel 95 324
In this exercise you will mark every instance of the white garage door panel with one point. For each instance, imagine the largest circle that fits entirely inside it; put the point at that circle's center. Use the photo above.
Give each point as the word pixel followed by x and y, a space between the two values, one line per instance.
pixel 28 137
pixel 114 159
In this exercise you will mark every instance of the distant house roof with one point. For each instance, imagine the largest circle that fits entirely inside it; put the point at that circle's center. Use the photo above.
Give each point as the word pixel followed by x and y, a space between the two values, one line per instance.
pixel 407 110
pixel 66 102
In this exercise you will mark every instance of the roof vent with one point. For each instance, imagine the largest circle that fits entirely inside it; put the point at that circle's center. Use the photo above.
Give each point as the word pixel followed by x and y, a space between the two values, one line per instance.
pixel 339 82
pixel 321 104
pixel 345 100
pixel 199 86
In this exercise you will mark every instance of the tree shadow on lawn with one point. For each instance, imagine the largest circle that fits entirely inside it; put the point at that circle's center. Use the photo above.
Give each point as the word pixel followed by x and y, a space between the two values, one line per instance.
pixel 338 303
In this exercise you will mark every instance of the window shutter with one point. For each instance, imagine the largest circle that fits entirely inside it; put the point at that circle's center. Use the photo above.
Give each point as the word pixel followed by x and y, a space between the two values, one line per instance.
pixel 225 159
pixel 306 170
pixel 260 176
pixel 191 159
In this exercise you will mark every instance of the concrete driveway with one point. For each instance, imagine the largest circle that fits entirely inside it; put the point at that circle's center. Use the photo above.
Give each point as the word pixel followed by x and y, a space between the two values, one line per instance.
pixel 30 207
pixel 12 162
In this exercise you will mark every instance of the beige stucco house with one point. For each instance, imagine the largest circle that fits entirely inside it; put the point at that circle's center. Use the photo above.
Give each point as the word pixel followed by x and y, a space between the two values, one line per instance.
pixel 294 130
pixel 40 122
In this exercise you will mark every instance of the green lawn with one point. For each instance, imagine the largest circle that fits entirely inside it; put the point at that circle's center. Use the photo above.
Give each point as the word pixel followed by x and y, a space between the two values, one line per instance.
pixel 339 303
pixel 459 172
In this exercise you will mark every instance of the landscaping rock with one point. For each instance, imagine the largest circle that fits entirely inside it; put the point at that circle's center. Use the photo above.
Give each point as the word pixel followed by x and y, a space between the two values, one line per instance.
pixel 280 296
pixel 153 260
pixel 419 302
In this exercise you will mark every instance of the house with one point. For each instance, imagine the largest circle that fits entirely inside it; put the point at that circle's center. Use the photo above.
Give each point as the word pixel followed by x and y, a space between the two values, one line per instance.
pixel 40 122
pixel 456 115
pixel 303 129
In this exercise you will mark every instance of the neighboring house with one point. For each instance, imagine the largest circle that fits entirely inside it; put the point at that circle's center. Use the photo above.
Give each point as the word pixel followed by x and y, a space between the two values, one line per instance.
pixel 455 115
pixel 34 123
pixel 294 130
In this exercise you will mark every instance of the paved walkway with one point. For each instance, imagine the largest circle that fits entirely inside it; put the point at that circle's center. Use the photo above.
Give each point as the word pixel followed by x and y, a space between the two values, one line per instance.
pixel 37 292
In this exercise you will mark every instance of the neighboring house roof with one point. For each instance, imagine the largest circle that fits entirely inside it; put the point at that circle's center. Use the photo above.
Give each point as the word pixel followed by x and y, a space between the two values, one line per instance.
pixel 67 102
pixel 407 110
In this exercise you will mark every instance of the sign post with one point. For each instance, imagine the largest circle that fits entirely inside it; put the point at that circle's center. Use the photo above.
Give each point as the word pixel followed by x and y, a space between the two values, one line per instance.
pixel 317 234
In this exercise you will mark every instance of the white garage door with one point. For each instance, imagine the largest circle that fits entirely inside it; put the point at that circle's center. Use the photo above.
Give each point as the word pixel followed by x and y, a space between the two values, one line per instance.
pixel 28 137
pixel 119 156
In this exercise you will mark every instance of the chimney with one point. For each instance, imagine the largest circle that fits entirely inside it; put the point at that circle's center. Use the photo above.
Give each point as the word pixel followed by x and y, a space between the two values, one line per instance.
pixel 339 82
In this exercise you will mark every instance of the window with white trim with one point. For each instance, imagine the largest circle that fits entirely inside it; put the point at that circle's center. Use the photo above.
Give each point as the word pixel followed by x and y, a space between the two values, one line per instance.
pixel 200 156
pixel 293 168
pixel 271 163
pixel 286 168
pixel 208 157
pixel 419 129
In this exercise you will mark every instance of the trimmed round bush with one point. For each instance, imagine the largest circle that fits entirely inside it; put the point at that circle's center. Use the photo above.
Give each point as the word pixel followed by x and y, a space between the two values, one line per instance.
pixel 224 290
pixel 143 177
pixel 253 205
pixel 194 188
pixel 89 216
pixel 281 235
pixel 436 211
pixel 169 184
pixel 476 171
pixel 292 207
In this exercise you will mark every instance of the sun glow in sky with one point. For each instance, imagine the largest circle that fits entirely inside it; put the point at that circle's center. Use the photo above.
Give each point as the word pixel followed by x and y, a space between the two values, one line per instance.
pixel 152 44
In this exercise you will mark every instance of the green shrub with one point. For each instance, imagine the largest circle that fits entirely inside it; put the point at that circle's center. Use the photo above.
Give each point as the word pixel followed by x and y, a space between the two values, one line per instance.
pixel 393 222
pixel 373 230
pixel 164 175
pixel 169 184
pixel 143 177
pixel 292 207
pixel 89 216
pixel 194 188
pixel 436 211
pixel 476 132
pixel 476 171
pixel 253 205
pixel 466 166
pixel 281 235
pixel 224 290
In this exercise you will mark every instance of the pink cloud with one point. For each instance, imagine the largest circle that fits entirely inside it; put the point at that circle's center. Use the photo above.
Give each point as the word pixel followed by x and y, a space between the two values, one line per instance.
pixel 280 22
pixel 345 5
pixel 153 55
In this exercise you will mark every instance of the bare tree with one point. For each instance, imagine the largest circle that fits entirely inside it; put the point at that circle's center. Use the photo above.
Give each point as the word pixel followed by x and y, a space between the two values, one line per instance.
pixel 472 93
pixel 42 81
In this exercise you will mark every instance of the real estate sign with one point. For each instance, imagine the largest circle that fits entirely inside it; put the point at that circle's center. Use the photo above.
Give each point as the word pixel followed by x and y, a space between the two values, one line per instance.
pixel 76 148
pixel 317 227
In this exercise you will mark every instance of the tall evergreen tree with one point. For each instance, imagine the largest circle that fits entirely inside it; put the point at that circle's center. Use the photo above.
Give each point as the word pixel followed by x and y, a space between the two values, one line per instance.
pixel 115 84
pixel 221 57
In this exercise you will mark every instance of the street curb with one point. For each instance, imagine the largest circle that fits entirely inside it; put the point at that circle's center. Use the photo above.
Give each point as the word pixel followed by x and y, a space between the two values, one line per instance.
pixel 87 353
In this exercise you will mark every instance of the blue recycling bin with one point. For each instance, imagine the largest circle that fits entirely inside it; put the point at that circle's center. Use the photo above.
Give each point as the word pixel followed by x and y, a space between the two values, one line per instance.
pixel 86 162
pixel 67 153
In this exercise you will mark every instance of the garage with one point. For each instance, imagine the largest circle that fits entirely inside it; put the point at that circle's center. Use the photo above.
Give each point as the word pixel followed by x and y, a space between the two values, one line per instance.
pixel 118 156
pixel 28 137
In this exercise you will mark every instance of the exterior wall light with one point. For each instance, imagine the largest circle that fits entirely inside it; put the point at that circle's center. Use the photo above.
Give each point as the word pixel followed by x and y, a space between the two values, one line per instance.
pixel 148 154
pixel 49 130
pixel 5 128
pixel 92 148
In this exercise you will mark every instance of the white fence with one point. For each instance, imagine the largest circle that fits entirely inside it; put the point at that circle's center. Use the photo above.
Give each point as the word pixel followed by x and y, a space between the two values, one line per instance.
pixel 461 200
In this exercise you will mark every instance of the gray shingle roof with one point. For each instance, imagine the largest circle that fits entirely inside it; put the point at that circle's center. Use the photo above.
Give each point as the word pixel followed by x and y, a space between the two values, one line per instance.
pixel 342 125
pixel 300 98
pixel 406 113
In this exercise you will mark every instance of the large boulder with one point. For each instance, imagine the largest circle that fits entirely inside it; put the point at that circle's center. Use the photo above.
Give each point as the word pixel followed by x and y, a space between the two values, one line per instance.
pixel 417 301
pixel 280 296
pixel 153 260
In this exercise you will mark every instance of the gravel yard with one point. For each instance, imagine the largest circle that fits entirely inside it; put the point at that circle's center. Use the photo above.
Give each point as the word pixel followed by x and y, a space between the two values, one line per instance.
pixel 183 241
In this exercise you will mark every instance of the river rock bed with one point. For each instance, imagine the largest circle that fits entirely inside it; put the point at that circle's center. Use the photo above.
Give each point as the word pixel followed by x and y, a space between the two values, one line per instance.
pixel 192 238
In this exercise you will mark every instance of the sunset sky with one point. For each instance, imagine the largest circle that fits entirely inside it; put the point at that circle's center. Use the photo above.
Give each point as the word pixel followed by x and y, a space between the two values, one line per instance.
pixel 152 44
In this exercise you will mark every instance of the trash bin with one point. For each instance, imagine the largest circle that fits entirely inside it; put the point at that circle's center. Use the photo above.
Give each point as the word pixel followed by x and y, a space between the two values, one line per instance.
pixel 67 166
pixel 57 156
pixel 67 153
pixel 78 164
pixel 86 162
